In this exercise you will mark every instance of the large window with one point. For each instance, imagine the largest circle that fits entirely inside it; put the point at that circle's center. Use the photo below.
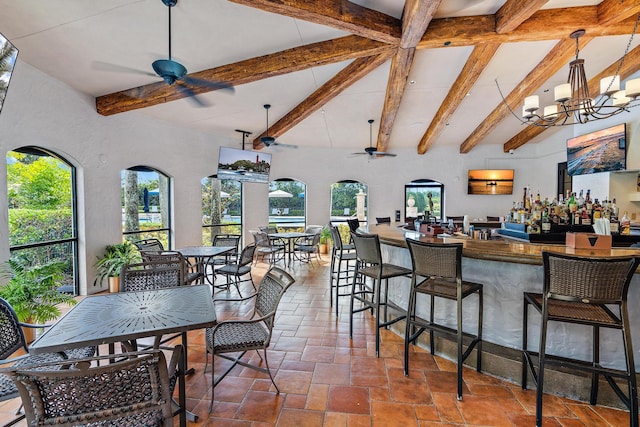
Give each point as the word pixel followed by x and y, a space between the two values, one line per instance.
pixel 145 205
pixel 42 212
pixel 221 208
pixel 348 200
pixel 424 197
pixel 287 204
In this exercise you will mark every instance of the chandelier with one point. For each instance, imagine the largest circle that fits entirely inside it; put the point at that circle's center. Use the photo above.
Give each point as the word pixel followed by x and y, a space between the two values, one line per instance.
pixel 573 102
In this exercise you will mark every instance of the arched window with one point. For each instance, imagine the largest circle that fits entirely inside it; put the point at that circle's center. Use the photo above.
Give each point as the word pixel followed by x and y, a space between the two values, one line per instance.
pixel 146 205
pixel 348 200
pixel 424 197
pixel 287 204
pixel 42 213
pixel 221 208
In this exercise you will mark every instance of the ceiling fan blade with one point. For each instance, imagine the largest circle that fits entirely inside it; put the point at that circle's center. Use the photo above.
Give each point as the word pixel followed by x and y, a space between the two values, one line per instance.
pixel 213 85
pixel 383 153
pixel 105 66
pixel 191 95
pixel 279 144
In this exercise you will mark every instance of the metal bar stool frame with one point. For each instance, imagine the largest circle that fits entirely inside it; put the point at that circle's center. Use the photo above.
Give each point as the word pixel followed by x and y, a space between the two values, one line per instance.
pixel 369 265
pixel 583 290
pixel 341 254
pixel 437 272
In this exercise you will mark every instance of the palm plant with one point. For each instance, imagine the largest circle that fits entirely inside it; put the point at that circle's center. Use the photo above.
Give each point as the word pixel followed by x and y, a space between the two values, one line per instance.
pixel 32 290
pixel 116 256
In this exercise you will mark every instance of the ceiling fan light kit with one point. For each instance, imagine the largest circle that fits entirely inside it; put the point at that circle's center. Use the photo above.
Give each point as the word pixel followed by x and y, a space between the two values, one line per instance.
pixel 267 140
pixel 573 102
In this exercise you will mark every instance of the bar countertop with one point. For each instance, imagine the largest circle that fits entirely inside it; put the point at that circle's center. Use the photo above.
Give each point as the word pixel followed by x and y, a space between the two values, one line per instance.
pixel 495 250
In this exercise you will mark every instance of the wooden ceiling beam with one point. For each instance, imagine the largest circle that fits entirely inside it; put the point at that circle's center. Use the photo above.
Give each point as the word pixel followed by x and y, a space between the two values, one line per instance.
pixel 416 16
pixel 247 71
pixel 611 11
pixel 345 78
pixel 515 12
pixel 341 14
pixel 400 67
pixel 557 58
pixel 476 63
pixel 547 24
pixel 630 66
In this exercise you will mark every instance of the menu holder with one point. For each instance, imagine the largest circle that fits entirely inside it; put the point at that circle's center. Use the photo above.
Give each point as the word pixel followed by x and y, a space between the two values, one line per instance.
pixel 588 241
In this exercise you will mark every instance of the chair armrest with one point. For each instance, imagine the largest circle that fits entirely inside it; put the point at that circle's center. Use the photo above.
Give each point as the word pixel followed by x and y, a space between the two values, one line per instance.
pixel 236 299
pixel 34 325
pixel 12 360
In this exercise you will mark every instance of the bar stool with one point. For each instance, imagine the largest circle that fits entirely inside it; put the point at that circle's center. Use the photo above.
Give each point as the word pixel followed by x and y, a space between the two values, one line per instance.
pixel 343 260
pixel 437 272
pixel 587 291
pixel 369 265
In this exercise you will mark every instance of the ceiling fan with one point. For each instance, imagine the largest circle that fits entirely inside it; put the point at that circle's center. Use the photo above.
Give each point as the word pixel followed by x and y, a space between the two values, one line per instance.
pixel 371 150
pixel 269 141
pixel 172 72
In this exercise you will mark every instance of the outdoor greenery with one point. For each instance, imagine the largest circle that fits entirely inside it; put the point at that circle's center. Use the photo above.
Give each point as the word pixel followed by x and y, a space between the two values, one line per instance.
pixel 32 290
pixel 343 196
pixel 40 210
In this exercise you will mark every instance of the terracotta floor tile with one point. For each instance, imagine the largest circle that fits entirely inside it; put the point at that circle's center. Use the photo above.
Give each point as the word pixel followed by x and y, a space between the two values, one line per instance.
pixel 390 414
pixel 331 373
pixel 297 417
pixel 353 400
pixel 260 406
pixel 480 410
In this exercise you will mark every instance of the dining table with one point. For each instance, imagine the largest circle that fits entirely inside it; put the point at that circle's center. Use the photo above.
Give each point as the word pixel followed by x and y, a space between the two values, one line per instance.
pixel 201 256
pixel 127 316
pixel 290 238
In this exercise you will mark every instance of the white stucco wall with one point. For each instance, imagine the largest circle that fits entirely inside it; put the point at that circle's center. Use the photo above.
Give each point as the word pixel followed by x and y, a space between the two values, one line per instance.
pixel 44 112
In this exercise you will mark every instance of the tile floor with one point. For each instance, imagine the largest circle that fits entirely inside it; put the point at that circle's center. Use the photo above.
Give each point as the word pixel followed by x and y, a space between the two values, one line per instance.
pixel 327 379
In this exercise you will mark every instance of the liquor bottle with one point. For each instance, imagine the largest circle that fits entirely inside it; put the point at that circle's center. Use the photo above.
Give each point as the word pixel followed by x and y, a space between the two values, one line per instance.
pixel 572 205
pixel 614 225
pixel 597 211
pixel 625 225
pixel 546 222
pixel 588 203
pixel 614 208
pixel 580 200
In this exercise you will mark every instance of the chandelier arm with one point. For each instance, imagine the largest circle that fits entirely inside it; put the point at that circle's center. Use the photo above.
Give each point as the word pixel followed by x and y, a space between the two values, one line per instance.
pixel 507 105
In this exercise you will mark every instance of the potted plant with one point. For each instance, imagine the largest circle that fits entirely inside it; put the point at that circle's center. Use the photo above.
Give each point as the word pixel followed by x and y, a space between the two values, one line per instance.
pixel 32 291
pixel 325 235
pixel 115 256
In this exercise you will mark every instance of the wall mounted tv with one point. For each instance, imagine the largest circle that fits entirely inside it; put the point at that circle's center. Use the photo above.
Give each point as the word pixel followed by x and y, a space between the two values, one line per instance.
pixel 601 151
pixel 244 165
pixel 490 181
pixel 8 53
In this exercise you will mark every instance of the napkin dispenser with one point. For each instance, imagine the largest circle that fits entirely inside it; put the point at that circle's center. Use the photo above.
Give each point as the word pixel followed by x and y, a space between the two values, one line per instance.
pixel 588 241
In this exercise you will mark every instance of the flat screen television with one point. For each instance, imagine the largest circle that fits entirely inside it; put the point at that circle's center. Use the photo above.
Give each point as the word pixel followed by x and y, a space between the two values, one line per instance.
pixel 490 181
pixel 244 165
pixel 8 60
pixel 601 151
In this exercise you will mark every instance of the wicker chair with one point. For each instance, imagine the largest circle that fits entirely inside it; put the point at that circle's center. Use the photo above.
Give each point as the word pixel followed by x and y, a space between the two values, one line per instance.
pixel 342 269
pixel 371 268
pixel 234 272
pixel 151 275
pixel 12 340
pixel 173 258
pixel 240 336
pixel 589 291
pixel 437 273
pixel 383 220
pixel 133 392
pixel 353 224
pixel 265 247
pixel 151 245
pixel 306 250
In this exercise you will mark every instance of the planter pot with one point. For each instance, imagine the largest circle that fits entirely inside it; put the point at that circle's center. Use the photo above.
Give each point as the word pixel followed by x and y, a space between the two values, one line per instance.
pixel 29 334
pixel 324 248
pixel 114 284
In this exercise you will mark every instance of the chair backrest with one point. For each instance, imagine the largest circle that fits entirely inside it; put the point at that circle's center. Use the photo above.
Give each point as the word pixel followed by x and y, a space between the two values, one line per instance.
pixel 11 335
pixel 587 279
pixel 335 237
pixel 354 224
pixel 246 256
pixel 232 240
pixel 152 244
pixel 383 219
pixel 170 259
pixel 436 259
pixel 273 285
pixel 151 275
pixel 313 229
pixel 367 248
pixel 260 238
pixel 136 391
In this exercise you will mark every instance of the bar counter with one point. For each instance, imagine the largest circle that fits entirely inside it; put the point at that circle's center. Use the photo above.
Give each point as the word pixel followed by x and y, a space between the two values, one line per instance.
pixel 507 269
